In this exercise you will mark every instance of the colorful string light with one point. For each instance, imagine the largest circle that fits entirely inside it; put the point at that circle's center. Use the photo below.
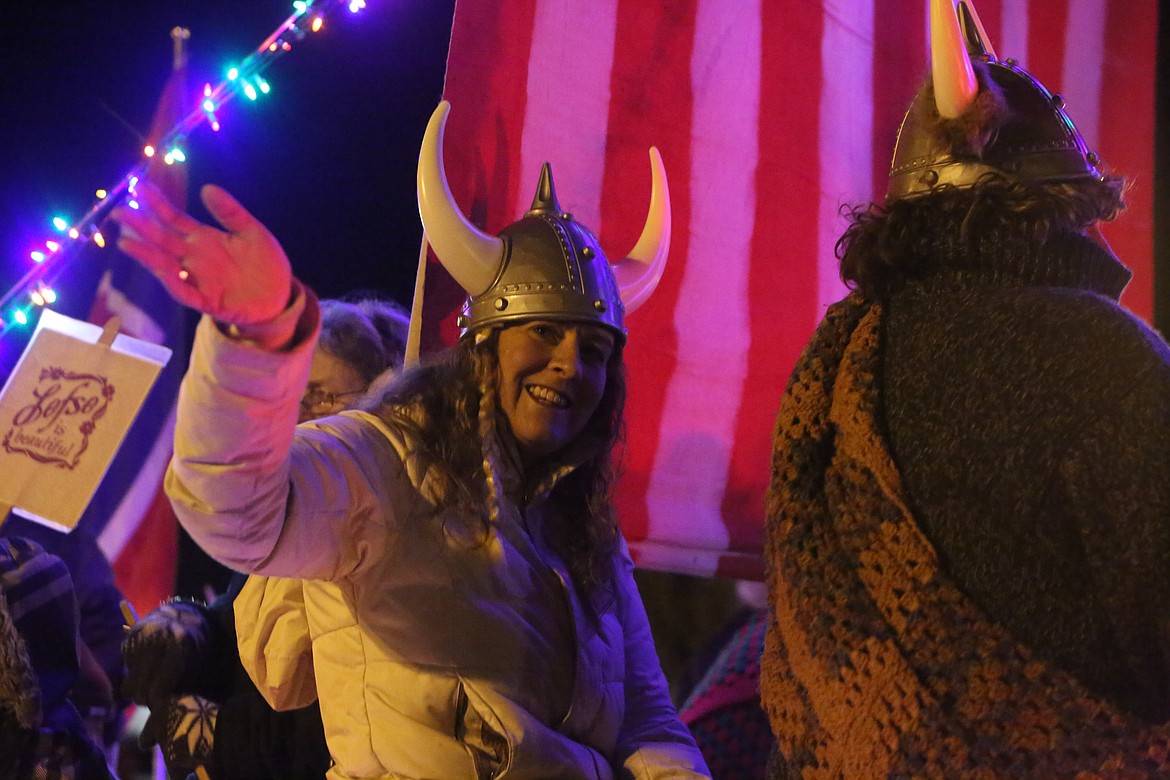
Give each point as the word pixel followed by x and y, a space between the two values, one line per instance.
pixel 244 78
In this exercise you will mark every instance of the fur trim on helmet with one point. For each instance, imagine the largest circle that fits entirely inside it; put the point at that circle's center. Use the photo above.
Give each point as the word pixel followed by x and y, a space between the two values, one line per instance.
pixel 970 133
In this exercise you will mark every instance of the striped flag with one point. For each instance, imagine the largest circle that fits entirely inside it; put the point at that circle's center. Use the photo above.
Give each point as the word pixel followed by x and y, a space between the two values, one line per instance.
pixel 130 515
pixel 770 115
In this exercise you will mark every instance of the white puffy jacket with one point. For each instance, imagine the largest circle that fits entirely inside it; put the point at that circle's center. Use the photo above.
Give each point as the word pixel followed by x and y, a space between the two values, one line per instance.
pixel 434 658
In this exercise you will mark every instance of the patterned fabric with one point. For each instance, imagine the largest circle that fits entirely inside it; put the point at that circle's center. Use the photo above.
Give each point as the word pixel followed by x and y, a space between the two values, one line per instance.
pixel 184 729
pixel 39 596
pixel 19 694
pixel 723 712
pixel 41 734
pixel 164 651
pixel 876 665
pixel 101 624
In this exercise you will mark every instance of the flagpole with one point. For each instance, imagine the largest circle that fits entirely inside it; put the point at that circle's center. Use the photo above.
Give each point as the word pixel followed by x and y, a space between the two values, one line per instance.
pixel 414 333
pixel 179 36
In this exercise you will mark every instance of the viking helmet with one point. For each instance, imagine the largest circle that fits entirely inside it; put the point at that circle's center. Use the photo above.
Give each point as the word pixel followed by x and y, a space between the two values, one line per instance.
pixel 1024 135
pixel 545 266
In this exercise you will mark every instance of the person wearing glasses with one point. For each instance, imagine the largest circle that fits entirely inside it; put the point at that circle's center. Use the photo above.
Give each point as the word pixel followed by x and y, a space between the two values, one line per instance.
pixel 183 659
pixel 359 341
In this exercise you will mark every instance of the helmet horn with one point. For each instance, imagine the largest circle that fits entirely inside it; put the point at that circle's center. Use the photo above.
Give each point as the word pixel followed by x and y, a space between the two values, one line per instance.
pixel 955 86
pixel 471 256
pixel 639 273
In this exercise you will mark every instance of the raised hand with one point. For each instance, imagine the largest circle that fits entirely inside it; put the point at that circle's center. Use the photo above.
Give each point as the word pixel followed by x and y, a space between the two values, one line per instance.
pixel 239 275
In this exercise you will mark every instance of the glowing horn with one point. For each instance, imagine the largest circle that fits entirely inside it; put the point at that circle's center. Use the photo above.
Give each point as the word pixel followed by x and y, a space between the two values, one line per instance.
pixel 471 256
pixel 955 86
pixel 639 273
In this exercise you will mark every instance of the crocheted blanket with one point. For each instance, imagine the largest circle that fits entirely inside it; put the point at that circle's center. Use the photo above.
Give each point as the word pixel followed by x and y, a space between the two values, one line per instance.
pixel 875 664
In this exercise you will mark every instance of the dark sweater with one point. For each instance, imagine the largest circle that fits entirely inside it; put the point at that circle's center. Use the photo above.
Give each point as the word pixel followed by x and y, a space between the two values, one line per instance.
pixel 253 741
pixel 1029 416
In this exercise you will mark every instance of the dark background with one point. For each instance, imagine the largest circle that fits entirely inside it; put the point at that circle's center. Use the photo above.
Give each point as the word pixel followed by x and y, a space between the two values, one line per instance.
pixel 326 160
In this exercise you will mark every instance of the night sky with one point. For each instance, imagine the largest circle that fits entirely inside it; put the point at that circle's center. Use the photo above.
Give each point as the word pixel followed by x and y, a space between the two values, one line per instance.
pixel 326 160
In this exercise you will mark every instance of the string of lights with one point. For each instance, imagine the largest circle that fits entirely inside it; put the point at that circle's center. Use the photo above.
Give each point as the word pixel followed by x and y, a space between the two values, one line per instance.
pixel 20 304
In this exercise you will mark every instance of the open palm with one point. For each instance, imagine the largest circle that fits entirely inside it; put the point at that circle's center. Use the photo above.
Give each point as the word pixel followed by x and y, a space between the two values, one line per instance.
pixel 238 274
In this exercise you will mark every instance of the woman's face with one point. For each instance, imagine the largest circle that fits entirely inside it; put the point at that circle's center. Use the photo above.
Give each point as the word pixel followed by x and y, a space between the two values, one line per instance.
pixel 552 376
pixel 333 385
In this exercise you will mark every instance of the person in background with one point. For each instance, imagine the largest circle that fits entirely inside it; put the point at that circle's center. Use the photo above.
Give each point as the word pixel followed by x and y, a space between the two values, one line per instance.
pixel 471 598
pixel 723 709
pixel 968 527
pixel 183 659
pixel 101 624
pixel 42 735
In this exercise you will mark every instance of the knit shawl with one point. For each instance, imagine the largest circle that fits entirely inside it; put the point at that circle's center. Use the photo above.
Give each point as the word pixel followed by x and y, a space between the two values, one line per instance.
pixel 875 664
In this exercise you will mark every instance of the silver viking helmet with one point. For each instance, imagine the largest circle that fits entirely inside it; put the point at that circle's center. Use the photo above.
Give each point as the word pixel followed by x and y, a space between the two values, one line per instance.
pixel 545 266
pixel 1011 123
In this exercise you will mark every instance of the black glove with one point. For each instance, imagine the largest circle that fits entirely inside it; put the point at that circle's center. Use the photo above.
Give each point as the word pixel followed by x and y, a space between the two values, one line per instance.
pixel 184 729
pixel 164 652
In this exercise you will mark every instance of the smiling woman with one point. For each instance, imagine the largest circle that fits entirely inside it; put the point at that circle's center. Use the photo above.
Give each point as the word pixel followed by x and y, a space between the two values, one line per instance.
pixel 552 375
pixel 472 602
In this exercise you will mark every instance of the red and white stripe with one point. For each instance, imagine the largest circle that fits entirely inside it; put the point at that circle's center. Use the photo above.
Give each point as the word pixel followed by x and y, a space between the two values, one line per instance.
pixel 138 534
pixel 770 116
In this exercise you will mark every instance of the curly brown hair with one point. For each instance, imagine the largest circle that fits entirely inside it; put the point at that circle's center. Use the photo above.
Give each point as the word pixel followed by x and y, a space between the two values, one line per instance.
pixel 888 244
pixel 442 405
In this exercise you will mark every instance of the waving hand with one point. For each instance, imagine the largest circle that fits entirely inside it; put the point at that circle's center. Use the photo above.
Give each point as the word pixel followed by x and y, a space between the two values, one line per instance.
pixel 238 274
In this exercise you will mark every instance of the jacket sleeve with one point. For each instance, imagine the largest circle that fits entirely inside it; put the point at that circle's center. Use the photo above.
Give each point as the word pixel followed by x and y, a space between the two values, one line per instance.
pixel 260 494
pixel 653 742
pixel 274 642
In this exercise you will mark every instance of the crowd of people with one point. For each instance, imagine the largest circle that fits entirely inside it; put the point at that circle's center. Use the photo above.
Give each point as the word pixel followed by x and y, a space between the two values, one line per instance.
pixel 967 528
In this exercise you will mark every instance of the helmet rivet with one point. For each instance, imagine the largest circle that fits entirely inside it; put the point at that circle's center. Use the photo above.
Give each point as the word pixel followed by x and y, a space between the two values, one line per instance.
pixel 587 252
pixel 600 306
pixel 1058 101
pixel 566 216
pixel 1012 61
pixel 1093 158
pixel 930 178
pixel 501 304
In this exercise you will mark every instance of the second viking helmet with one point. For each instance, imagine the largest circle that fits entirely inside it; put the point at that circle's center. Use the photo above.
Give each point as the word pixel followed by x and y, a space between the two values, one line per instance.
pixel 1022 132
pixel 545 266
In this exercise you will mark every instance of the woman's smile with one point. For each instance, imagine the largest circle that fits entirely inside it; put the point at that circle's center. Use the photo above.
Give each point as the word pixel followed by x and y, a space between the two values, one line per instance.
pixel 552 376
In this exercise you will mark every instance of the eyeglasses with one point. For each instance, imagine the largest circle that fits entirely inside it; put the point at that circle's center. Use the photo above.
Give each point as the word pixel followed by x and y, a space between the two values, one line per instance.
pixel 318 401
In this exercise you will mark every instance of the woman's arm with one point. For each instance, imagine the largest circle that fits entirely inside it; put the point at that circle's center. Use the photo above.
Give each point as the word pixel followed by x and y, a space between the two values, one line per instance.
pixel 653 742
pixel 258 493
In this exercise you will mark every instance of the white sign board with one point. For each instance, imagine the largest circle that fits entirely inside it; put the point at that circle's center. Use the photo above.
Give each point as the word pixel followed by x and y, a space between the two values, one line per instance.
pixel 64 412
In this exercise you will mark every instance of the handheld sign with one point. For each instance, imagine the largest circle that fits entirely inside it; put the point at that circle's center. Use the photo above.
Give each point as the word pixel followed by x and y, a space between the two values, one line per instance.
pixel 64 412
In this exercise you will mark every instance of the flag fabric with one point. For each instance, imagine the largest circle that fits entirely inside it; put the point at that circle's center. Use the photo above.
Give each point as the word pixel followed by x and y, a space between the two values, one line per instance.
pixel 130 516
pixel 770 116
